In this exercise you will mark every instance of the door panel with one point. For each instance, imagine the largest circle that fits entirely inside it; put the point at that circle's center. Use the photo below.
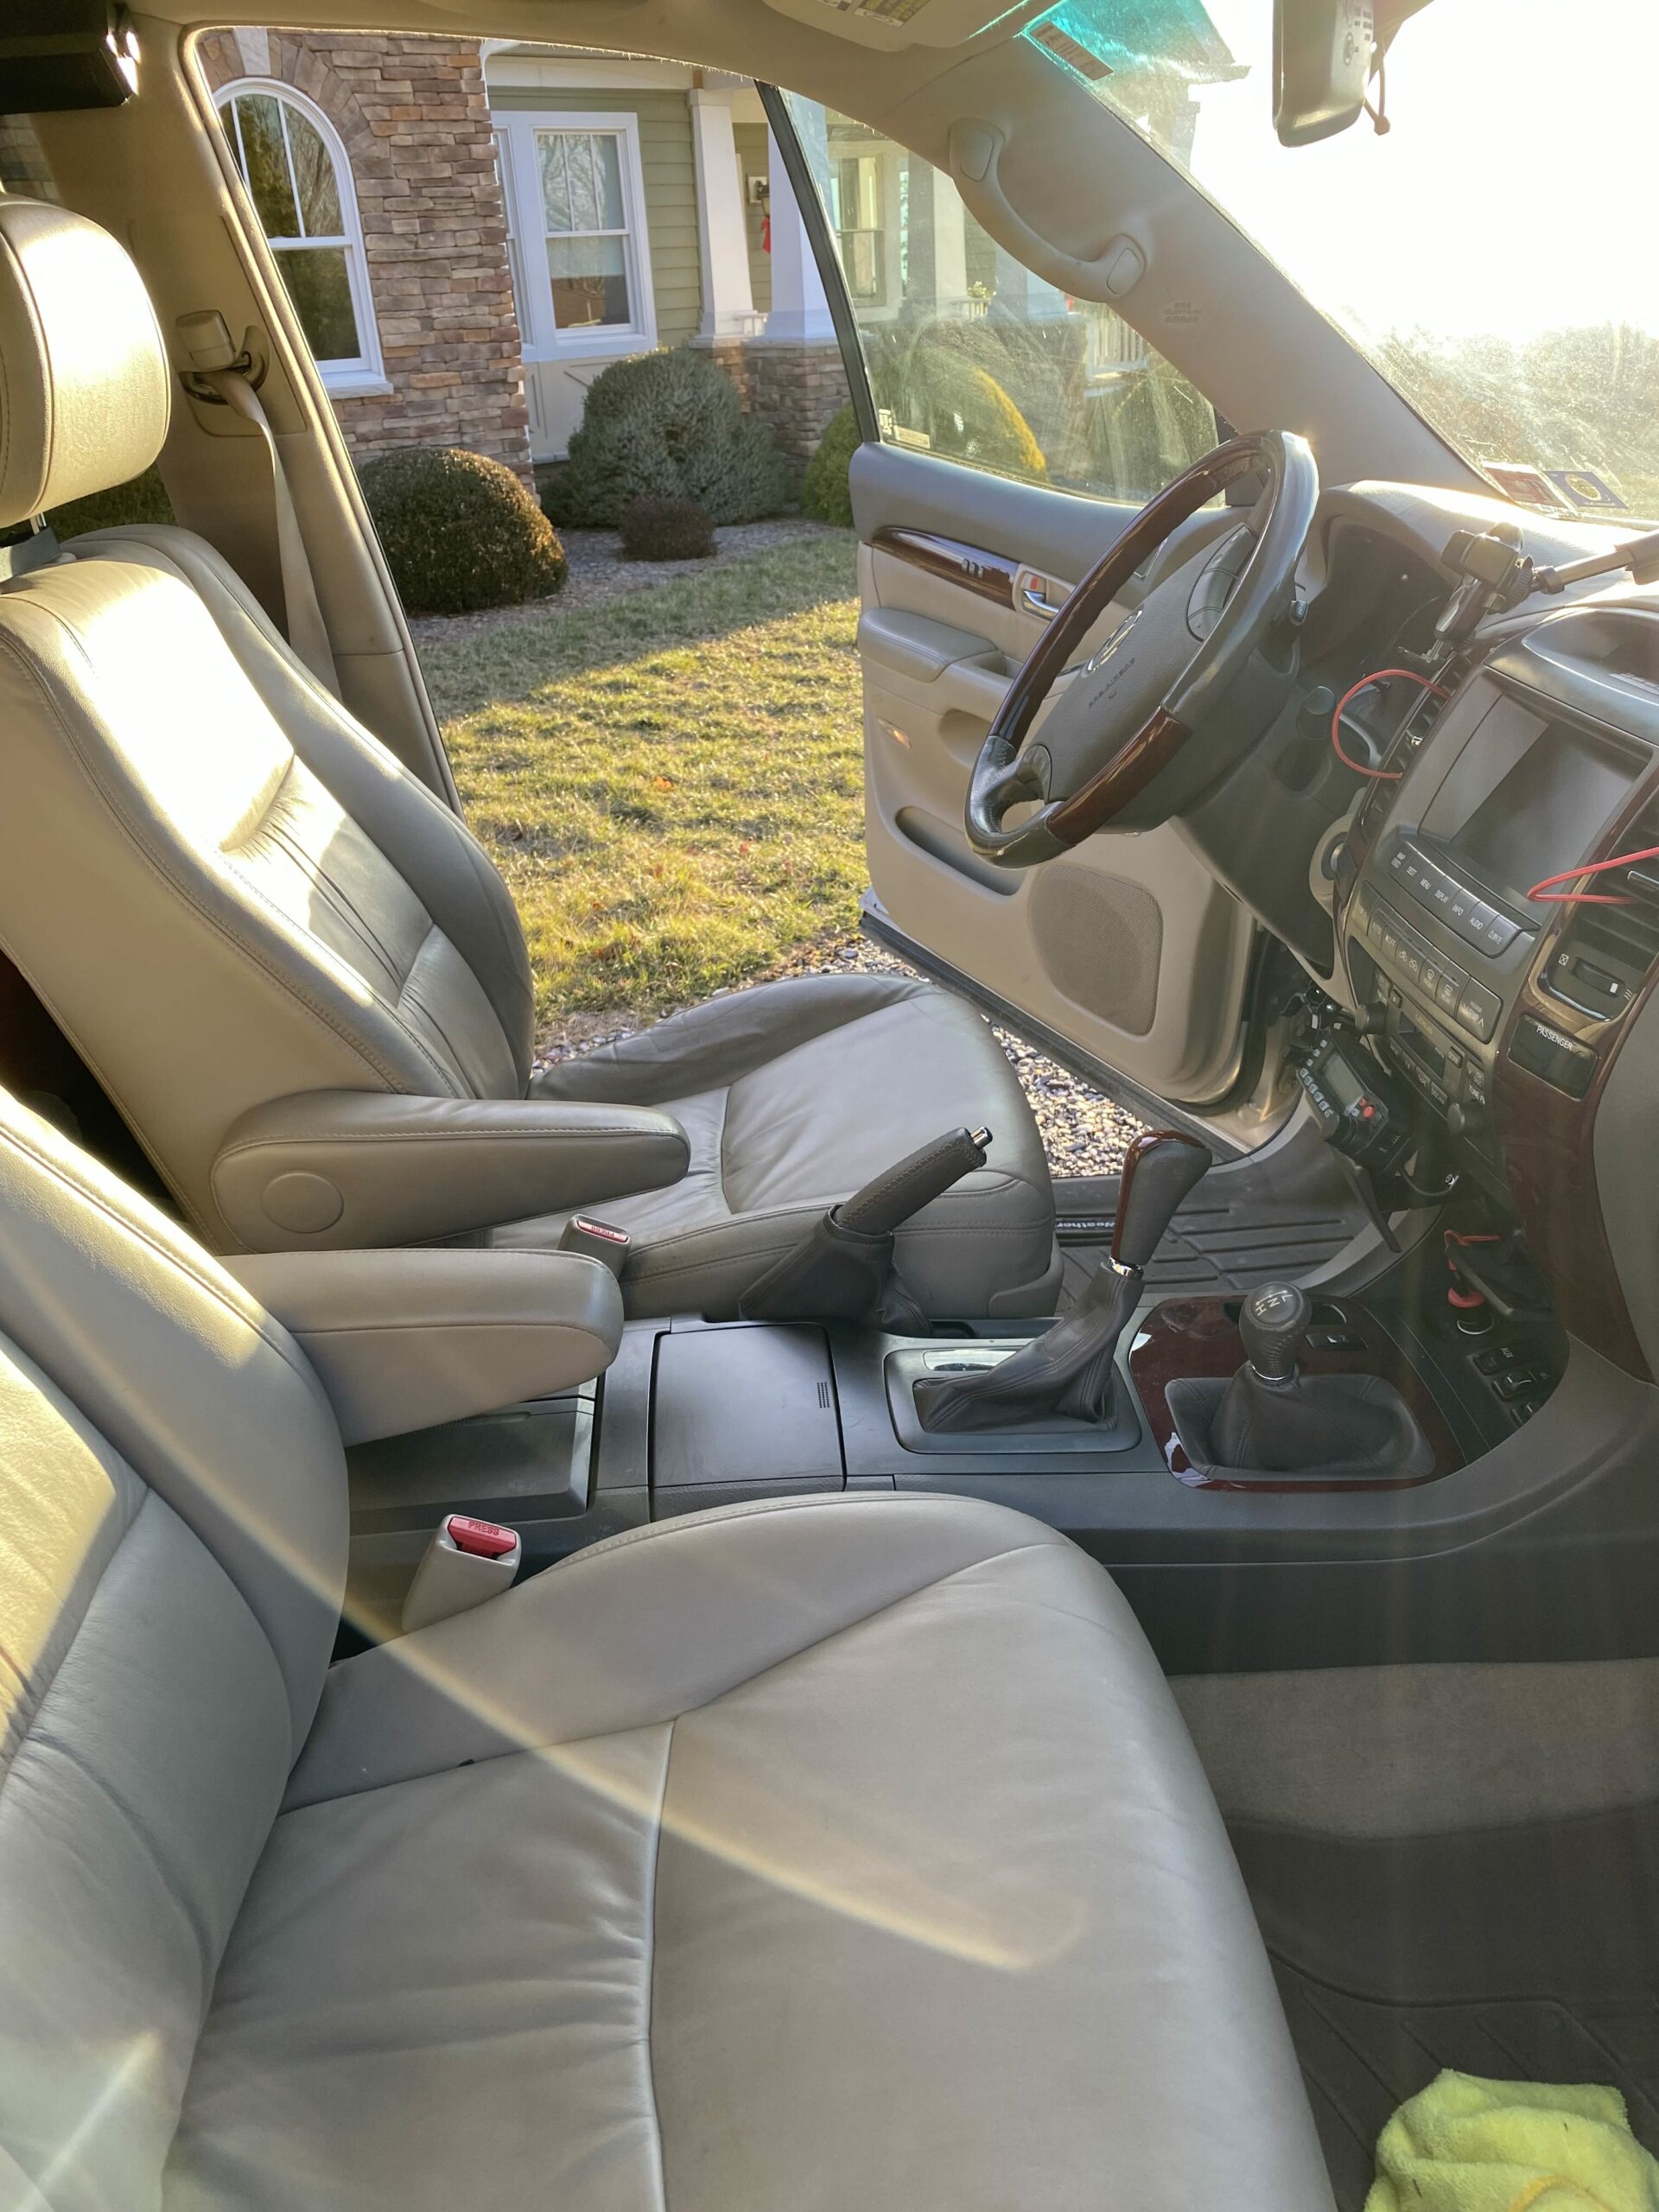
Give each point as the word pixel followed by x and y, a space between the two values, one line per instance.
pixel 1128 947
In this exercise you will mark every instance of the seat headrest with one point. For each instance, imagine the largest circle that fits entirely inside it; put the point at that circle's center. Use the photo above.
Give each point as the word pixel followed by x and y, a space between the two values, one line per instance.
pixel 84 381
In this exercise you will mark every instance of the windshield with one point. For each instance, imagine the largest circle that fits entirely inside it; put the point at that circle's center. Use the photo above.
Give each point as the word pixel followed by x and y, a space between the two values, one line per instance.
pixel 1489 252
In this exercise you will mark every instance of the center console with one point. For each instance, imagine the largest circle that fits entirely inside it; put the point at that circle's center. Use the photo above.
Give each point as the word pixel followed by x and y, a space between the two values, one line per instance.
pixel 1497 1016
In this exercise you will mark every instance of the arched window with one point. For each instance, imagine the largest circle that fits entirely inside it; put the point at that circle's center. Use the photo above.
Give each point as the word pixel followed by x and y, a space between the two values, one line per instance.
pixel 300 181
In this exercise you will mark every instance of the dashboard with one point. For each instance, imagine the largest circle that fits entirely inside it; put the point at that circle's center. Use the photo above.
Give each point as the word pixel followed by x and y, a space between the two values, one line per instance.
pixel 1518 1027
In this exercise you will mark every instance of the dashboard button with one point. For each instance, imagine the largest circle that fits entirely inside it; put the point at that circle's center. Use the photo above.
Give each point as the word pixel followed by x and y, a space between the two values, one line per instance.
pixel 1412 961
pixel 1499 933
pixel 1450 990
pixel 1431 978
pixel 1559 1060
pixel 1478 1009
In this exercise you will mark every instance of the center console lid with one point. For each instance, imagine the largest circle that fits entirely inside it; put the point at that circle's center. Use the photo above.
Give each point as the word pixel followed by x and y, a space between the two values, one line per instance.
pixel 407 1340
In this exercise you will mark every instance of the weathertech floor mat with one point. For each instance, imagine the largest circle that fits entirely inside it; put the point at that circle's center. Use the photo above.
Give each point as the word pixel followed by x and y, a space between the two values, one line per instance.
pixel 1361 2059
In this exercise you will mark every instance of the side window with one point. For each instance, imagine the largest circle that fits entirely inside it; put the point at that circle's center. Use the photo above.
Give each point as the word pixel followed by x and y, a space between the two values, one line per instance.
pixel 300 181
pixel 971 356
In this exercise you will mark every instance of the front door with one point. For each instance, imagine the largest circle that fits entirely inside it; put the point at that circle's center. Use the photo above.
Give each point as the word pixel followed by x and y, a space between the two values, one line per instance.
pixel 1019 431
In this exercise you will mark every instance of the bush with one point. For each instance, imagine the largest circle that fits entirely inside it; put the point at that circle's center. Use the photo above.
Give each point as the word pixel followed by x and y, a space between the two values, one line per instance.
pixel 141 499
pixel 667 426
pixel 459 530
pixel 825 491
pixel 942 380
pixel 666 530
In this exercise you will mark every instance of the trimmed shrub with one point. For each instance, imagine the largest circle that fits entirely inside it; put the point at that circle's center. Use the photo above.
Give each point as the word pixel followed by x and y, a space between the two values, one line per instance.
pixel 667 426
pixel 666 530
pixel 459 530
pixel 938 376
pixel 141 499
pixel 825 489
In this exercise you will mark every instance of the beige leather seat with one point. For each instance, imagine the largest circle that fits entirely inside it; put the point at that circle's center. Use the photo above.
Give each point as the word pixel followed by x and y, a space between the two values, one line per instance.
pixel 825 1856
pixel 300 980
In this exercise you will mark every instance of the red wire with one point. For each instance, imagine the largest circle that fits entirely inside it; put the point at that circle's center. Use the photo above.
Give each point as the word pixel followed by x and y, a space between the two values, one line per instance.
pixel 1379 676
pixel 1546 897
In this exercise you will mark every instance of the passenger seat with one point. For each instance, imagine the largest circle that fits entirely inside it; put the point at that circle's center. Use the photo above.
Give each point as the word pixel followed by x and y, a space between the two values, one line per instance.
pixel 819 1856
pixel 832 1855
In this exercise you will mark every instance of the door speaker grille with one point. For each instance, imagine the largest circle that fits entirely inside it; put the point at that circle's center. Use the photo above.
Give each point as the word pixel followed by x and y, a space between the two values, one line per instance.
pixel 1100 938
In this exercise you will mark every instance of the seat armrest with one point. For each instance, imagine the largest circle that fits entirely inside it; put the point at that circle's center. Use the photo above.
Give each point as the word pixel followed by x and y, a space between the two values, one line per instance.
pixel 332 1170
pixel 406 1340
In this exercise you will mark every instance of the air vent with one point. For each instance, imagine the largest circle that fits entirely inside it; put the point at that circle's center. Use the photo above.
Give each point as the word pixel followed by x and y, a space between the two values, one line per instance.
pixel 1075 56
pixel 1605 954
pixel 1422 722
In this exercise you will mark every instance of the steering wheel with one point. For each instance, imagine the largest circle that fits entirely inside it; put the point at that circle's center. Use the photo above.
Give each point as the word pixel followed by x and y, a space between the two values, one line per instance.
pixel 1158 684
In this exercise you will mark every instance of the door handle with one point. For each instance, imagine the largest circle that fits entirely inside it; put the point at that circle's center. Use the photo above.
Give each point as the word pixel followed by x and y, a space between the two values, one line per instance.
pixel 1034 590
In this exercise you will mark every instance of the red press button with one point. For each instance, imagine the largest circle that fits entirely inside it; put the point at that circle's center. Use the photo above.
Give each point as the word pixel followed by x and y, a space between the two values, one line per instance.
pixel 484 1539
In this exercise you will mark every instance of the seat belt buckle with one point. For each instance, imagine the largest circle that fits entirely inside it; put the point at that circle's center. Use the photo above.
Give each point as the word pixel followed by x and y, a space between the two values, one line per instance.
pixel 466 1561
pixel 596 1240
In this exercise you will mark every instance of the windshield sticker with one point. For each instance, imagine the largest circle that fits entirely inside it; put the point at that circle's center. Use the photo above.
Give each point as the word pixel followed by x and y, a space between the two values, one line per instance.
pixel 1582 488
pixel 1519 481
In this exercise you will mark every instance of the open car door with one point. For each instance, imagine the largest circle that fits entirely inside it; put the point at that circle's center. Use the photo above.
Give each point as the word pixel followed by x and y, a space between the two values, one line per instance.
pixel 1012 433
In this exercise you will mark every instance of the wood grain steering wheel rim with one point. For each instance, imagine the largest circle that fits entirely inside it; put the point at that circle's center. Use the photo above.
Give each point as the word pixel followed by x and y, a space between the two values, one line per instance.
pixel 1003 775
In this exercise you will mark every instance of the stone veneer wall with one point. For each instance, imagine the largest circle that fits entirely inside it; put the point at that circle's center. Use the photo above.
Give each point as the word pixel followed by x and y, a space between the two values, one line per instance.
pixel 790 384
pixel 415 121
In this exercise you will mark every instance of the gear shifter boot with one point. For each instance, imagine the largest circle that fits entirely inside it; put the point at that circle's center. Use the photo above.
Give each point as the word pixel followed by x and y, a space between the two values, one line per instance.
pixel 1272 1419
pixel 1307 1422
pixel 1070 1370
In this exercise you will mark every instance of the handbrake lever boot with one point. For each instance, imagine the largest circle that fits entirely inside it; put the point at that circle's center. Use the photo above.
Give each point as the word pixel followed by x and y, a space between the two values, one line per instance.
pixel 1069 1371
pixel 842 1269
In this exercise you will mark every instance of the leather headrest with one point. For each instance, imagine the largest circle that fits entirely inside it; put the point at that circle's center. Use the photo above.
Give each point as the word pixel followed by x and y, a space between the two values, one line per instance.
pixel 84 381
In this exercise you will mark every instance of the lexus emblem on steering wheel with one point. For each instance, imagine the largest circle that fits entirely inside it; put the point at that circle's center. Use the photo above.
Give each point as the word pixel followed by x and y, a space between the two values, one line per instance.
pixel 1101 654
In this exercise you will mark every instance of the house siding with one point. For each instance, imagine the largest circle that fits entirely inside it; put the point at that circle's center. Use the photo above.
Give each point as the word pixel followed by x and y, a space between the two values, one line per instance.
pixel 668 169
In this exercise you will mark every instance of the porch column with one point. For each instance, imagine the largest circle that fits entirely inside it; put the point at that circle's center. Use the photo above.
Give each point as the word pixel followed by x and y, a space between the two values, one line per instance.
pixel 799 309
pixel 722 237
pixel 1019 292
pixel 938 241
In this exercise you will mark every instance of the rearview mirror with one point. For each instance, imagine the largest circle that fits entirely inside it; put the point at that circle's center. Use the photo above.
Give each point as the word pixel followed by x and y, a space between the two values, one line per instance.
pixel 1324 53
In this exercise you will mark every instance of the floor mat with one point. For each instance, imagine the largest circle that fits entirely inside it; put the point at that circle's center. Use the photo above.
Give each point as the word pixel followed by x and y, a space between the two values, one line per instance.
pixel 1361 2059
pixel 1213 1250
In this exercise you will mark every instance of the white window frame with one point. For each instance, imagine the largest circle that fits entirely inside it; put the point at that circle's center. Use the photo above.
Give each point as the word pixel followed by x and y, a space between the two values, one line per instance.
pixel 517 130
pixel 363 374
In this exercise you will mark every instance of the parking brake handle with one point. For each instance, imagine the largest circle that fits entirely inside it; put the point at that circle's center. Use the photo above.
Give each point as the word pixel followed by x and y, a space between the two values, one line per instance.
pixel 842 1269
pixel 1069 1372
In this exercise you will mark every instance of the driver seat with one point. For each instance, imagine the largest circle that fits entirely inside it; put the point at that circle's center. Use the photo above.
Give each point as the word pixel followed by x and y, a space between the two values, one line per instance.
pixel 300 980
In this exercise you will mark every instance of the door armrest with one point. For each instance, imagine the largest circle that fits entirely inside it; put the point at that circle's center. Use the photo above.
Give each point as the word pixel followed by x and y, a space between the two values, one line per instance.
pixel 338 1169
pixel 406 1340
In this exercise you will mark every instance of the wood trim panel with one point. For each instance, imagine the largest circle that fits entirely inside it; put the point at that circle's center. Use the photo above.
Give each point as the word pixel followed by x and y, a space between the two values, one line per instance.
pixel 971 568
pixel 1548 1138
pixel 1198 1339
pixel 1154 746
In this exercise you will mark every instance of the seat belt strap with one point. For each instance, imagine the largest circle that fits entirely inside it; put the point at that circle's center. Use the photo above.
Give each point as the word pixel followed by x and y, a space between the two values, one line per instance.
pixel 306 631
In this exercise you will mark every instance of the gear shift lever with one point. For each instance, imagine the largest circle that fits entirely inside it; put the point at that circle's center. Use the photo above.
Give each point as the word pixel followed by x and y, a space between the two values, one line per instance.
pixel 1274 1322
pixel 1275 1420
pixel 1068 1371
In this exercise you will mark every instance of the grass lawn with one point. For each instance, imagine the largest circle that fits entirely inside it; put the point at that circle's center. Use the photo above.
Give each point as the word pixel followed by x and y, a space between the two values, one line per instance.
pixel 670 781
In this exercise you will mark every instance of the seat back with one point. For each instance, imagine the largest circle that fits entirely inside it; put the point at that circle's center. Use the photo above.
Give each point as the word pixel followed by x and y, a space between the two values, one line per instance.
pixel 224 888
pixel 173 1537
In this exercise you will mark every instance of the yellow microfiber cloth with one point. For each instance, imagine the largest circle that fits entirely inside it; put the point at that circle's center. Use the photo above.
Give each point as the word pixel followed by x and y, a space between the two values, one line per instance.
pixel 1465 2145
